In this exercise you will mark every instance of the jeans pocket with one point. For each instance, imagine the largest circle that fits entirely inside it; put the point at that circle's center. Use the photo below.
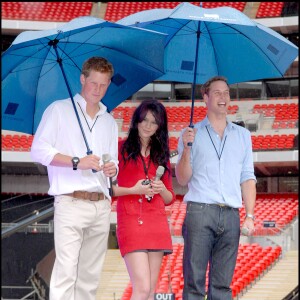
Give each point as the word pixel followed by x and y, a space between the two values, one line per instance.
pixel 195 208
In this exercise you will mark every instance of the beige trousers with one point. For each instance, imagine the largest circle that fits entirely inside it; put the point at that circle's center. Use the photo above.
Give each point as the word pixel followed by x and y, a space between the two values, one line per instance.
pixel 81 229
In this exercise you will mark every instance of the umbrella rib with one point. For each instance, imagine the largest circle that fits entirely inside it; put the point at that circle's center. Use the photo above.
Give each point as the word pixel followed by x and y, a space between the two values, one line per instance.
pixel 173 27
pixel 41 75
pixel 112 49
pixel 30 68
pixel 79 45
pixel 29 57
pixel 209 33
pixel 192 31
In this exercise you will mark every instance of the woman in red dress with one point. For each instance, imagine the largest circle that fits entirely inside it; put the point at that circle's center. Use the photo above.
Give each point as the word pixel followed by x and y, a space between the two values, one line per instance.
pixel 142 227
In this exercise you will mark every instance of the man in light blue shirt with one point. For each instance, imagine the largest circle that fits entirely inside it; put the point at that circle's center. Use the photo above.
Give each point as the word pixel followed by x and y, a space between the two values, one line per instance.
pixel 218 169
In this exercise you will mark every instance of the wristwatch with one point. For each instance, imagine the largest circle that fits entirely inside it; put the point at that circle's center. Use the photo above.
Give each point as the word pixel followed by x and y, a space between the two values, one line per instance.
pixel 75 162
pixel 250 216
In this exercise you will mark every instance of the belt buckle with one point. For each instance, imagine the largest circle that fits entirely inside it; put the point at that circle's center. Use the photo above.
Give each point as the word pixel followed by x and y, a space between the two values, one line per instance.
pixel 222 205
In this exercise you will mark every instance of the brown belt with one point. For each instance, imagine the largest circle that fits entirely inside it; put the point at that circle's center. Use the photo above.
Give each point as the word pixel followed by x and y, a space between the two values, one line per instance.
pixel 92 196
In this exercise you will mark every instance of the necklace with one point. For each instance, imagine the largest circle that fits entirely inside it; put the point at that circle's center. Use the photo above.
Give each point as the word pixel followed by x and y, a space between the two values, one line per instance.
pixel 146 168
pixel 140 221
pixel 219 156
pixel 90 128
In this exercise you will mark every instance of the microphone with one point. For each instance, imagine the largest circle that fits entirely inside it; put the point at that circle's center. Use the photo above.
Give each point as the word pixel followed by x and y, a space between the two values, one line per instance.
pixel 159 172
pixel 106 158
pixel 245 231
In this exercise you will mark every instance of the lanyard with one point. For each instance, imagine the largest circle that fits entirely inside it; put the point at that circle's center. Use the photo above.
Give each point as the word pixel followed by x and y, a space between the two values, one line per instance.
pixel 86 119
pixel 146 168
pixel 219 156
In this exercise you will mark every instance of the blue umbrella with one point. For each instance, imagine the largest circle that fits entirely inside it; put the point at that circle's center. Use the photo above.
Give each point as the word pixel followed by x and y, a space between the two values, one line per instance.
pixel 43 66
pixel 203 43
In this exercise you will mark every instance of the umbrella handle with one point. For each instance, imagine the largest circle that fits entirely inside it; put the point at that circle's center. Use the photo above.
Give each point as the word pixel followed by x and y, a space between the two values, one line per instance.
pixel 89 152
pixel 190 144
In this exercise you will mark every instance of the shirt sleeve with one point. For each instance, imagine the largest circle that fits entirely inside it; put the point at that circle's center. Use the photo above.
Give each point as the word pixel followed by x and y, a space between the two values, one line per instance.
pixel 248 165
pixel 42 149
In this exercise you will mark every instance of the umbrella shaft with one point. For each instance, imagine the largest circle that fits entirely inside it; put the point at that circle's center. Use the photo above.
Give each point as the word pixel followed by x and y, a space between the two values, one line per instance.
pixel 195 75
pixel 59 60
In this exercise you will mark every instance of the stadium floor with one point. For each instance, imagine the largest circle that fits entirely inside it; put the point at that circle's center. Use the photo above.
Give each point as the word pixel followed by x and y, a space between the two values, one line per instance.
pixel 275 284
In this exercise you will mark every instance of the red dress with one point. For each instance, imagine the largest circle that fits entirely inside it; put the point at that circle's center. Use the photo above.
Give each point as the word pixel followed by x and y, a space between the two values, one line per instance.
pixel 154 232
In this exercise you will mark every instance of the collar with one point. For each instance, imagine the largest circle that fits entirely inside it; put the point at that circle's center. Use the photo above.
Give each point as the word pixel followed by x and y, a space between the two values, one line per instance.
pixel 79 99
pixel 205 122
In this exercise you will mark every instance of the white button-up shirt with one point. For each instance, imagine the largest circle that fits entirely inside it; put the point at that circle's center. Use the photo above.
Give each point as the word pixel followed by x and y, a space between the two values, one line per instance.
pixel 59 132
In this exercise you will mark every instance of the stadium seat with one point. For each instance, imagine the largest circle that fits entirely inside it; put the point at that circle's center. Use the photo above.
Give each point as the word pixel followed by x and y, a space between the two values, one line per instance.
pixel 45 11
pixel 269 9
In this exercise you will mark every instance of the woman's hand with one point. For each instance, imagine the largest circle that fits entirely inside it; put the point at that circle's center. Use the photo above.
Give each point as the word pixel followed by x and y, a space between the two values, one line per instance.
pixel 158 186
pixel 142 189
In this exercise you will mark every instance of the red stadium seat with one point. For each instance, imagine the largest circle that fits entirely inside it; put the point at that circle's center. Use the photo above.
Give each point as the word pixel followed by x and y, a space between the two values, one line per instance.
pixel 45 11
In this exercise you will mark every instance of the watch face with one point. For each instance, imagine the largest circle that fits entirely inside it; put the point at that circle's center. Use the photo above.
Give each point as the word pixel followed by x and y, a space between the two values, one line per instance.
pixel 75 160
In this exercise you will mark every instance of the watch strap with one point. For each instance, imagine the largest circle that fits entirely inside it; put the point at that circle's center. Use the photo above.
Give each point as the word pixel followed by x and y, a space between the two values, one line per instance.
pixel 250 216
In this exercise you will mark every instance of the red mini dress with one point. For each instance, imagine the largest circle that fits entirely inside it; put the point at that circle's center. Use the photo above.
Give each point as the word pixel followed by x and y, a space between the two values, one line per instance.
pixel 142 225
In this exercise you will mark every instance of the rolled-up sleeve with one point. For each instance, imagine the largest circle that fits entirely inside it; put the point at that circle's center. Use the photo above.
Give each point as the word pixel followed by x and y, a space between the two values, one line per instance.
pixel 43 149
pixel 248 166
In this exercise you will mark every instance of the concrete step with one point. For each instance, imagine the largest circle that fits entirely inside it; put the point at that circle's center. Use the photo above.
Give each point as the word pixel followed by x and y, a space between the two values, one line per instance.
pixel 114 277
pixel 280 280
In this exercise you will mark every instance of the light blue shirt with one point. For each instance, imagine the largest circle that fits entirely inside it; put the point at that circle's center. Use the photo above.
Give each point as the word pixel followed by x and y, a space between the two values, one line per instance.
pixel 219 166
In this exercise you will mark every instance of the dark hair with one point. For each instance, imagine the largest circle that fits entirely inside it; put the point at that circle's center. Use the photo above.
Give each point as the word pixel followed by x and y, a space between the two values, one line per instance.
pixel 159 142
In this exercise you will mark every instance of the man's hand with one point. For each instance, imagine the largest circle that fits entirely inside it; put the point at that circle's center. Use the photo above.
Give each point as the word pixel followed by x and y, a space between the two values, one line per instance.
pixel 90 162
pixel 188 136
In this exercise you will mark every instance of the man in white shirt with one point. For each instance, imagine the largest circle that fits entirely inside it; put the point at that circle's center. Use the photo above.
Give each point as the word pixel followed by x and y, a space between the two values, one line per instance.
pixel 82 201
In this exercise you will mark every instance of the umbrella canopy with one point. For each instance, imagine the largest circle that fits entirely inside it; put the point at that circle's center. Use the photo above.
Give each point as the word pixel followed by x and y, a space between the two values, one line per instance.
pixel 43 66
pixel 203 43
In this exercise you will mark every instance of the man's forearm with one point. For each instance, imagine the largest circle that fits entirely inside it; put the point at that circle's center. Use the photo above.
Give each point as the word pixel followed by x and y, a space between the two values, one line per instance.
pixel 249 195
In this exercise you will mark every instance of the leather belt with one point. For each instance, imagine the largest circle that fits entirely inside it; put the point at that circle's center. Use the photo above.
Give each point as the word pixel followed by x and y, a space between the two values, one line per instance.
pixel 92 196
pixel 214 205
pixel 221 205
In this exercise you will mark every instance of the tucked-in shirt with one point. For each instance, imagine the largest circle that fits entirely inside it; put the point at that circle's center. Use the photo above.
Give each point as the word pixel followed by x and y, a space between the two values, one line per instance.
pixel 59 132
pixel 219 167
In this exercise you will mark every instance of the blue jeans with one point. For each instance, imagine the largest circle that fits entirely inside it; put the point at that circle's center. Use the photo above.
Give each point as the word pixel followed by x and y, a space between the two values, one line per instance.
pixel 211 235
